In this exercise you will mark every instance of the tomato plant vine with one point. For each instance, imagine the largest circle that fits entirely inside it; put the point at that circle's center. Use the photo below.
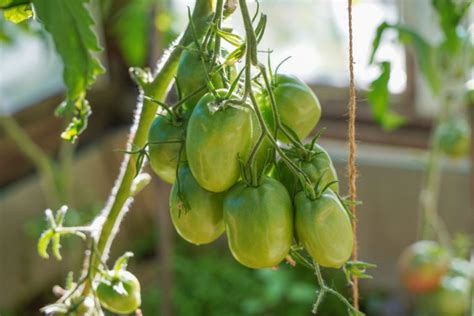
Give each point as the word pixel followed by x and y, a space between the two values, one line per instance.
pixel 224 146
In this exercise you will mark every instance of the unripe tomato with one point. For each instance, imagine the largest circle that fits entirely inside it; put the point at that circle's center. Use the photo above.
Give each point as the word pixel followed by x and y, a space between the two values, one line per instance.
pixel 450 298
pixel 453 137
pixel 191 75
pixel 202 223
pixel 423 265
pixel 324 228
pixel 164 157
pixel 119 292
pixel 217 135
pixel 259 223
pixel 297 105
pixel 315 164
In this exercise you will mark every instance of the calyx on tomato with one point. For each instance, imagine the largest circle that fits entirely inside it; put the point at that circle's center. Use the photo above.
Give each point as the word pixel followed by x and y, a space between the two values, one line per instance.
pixel 191 75
pixel 297 105
pixel 315 162
pixel 198 219
pixel 324 228
pixel 259 223
pixel 453 137
pixel 218 133
pixel 165 149
pixel 422 266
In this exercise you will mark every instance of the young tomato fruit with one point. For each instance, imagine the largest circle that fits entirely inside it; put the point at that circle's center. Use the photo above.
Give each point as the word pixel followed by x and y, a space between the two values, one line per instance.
pixel 422 266
pixel 316 164
pixel 218 133
pixel 297 105
pixel 324 228
pixel 119 292
pixel 450 298
pixel 164 157
pixel 203 222
pixel 453 137
pixel 191 75
pixel 259 223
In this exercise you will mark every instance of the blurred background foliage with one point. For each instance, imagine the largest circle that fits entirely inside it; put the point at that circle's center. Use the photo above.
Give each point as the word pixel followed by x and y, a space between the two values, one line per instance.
pixel 206 280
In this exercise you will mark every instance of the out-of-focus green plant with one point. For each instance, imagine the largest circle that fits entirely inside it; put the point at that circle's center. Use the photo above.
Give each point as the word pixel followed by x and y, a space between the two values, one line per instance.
pixel 446 66
pixel 440 63
pixel 209 282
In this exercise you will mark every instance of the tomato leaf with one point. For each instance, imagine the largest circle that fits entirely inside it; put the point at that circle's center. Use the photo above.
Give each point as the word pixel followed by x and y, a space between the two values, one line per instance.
pixel 78 124
pixel 379 97
pixel 450 15
pixel 69 23
pixel 18 13
pixel 425 53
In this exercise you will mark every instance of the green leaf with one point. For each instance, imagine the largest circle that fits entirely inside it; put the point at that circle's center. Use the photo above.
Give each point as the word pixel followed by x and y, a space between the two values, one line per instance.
pixel 18 13
pixel 43 243
pixel 376 41
pixel 425 53
pixel 450 15
pixel 379 97
pixel 78 124
pixel 69 23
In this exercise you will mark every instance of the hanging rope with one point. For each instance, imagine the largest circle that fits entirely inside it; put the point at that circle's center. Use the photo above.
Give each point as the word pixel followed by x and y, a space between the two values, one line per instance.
pixel 351 167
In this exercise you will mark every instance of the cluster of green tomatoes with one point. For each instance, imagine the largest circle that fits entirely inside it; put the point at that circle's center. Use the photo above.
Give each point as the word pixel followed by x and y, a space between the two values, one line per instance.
pixel 266 195
pixel 442 283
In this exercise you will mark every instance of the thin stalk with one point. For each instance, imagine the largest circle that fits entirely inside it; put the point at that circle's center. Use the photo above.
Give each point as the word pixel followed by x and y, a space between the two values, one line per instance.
pixel 323 289
pixel 276 114
pixel 251 58
pixel 36 154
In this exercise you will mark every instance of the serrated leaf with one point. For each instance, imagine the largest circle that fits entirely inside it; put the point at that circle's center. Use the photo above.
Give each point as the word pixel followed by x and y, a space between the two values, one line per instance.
pixel 18 13
pixel 70 25
pixel 379 98
pixel 43 243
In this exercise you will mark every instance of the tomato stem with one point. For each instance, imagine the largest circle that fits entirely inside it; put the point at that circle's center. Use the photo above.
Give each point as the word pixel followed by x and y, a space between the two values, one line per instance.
pixel 120 198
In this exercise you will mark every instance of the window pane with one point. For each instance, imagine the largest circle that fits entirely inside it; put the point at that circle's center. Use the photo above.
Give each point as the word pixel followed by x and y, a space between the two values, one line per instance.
pixel 30 69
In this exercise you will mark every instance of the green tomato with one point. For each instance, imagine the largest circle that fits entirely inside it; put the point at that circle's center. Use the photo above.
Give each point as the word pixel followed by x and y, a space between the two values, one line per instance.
pixel 450 298
pixel 119 292
pixel 164 157
pixel 259 223
pixel 203 222
pixel 217 135
pixel 453 137
pixel 324 228
pixel 422 265
pixel 191 75
pixel 315 164
pixel 297 105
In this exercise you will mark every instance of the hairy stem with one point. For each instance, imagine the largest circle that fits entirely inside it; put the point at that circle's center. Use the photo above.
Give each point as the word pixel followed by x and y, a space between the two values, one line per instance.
pixel 120 197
